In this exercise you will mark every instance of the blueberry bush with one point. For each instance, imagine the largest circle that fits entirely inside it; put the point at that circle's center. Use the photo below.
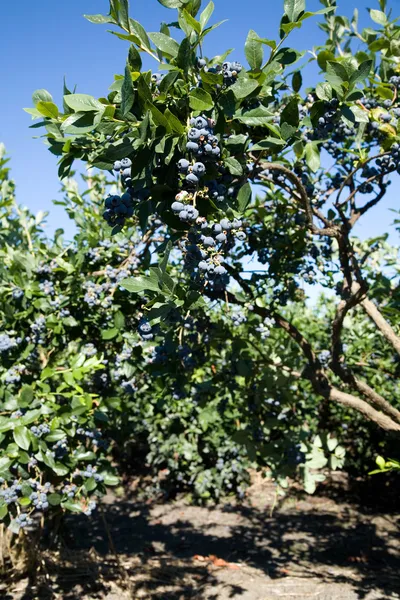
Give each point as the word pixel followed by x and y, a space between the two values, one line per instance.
pixel 174 327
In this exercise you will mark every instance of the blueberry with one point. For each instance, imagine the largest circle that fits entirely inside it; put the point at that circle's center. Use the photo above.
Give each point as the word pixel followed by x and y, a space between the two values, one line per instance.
pixel 208 241
pixel 177 206
pixel 125 163
pixel 201 122
pixel 183 165
pixel 192 146
pixel 192 179
pixel 226 224
pixel 198 169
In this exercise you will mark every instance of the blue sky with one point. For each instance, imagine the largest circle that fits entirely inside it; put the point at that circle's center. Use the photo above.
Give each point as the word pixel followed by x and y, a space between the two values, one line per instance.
pixel 42 42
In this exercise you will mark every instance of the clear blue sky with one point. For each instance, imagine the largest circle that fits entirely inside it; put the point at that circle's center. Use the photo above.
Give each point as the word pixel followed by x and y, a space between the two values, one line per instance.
pixel 42 42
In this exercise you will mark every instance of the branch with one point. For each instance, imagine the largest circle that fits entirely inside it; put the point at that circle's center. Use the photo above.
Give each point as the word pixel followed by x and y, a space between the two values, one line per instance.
pixel 354 171
pixel 381 323
pixel 361 211
pixel 329 231
pixel 317 375
pixel 364 408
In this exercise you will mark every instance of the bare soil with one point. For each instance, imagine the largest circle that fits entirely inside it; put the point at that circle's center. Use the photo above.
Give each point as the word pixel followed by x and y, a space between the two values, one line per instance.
pixel 324 547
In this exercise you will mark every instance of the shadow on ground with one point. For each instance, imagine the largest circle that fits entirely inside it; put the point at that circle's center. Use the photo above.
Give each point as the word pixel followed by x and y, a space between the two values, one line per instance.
pixel 309 547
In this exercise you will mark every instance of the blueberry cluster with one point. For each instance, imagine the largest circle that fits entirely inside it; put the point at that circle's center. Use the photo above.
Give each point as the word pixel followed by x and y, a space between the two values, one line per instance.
pixel 17 293
pixel 47 287
pixel 202 143
pixel 92 434
pixel 23 520
pixel 39 499
pixel 89 349
pixel 38 328
pixel 90 508
pixel 204 249
pixel 64 312
pixel 238 318
pixel 390 162
pixel 70 489
pixel 118 208
pixel 89 472
pixel 264 329
pixel 60 448
pixel 40 430
pixel 324 357
pixel 13 375
pixel 43 269
pixel 395 80
pixel 157 78
pixel 17 414
pixel 229 70
pixel 185 212
pixel 94 292
pixel 6 342
pixel 10 494
pixel 129 386
pixel 145 330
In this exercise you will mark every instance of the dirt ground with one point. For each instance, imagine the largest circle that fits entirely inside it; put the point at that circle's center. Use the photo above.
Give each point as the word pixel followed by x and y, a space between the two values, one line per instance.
pixel 323 547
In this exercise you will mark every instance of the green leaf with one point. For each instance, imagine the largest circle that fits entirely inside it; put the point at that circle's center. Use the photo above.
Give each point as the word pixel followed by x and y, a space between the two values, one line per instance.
pixel 78 123
pixel 172 3
pixel 83 102
pixel 54 499
pixel 293 9
pixel 199 99
pixel 195 25
pixel 167 81
pixel 127 92
pixel 244 87
pixel 297 80
pixel 323 57
pixel 100 19
pixel 174 122
pixel 90 484
pixel 184 58
pixel 22 437
pixel 255 117
pixel 134 59
pixel 253 50
pixel 384 92
pixel 312 156
pixel 361 116
pixel 123 14
pixel 109 334
pixel 244 197
pixel 336 74
pixel 166 44
pixel 72 506
pixel 206 14
pixel 380 461
pixel 234 166
pixel 158 117
pixel 362 72
pixel 139 284
pixel 41 96
pixel 266 42
pixel 324 91
pixel 290 113
pixel 47 109
pixel 25 396
pixel 110 479
pixel 378 16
